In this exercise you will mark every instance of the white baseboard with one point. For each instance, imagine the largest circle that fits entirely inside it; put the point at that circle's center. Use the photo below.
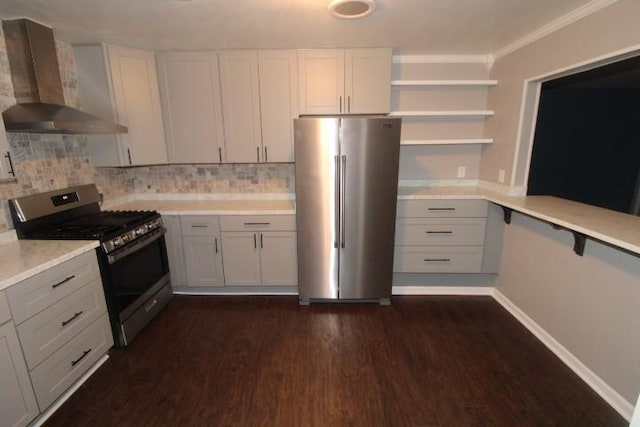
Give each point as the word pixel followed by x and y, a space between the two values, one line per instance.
pixel 612 397
pixel 67 394
pixel 442 290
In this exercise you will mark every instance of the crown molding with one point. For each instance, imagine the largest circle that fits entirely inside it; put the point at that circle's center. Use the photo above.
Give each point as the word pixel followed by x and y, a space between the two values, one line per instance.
pixel 553 26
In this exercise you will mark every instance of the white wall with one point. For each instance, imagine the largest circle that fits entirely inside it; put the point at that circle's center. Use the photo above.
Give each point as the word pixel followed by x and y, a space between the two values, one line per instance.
pixel 611 29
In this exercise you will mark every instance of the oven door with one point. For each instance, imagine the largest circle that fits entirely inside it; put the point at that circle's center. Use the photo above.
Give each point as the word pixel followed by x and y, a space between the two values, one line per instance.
pixel 134 273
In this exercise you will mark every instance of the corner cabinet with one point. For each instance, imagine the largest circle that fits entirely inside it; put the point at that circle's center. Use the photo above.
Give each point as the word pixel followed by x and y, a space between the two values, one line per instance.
pixel 191 106
pixel 344 81
pixel 121 84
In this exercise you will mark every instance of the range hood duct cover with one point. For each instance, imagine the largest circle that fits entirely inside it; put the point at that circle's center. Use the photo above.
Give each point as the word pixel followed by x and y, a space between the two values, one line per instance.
pixel 37 86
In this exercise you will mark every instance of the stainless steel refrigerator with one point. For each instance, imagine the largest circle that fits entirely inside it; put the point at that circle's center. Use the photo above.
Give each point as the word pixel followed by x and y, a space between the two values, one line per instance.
pixel 346 190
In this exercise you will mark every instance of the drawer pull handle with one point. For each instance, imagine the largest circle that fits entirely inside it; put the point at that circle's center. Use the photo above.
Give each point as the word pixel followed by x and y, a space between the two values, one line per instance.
pixel 199 225
pixel 63 281
pixel 72 318
pixel 439 232
pixel 150 306
pixel 84 354
pixel 257 223
pixel 216 243
pixel 441 209
pixel 437 260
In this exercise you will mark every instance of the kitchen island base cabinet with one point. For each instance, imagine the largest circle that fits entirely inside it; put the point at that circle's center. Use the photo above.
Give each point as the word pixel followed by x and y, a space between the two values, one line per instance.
pixel 17 401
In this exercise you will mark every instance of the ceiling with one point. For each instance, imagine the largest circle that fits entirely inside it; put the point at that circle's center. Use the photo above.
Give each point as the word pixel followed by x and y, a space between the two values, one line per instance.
pixel 409 26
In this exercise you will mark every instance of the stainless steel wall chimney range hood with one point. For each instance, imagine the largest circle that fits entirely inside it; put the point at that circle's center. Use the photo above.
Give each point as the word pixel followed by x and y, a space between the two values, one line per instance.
pixel 38 88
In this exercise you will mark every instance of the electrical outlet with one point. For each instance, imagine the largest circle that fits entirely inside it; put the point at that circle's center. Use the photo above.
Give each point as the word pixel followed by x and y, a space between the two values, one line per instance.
pixel 462 171
pixel 501 176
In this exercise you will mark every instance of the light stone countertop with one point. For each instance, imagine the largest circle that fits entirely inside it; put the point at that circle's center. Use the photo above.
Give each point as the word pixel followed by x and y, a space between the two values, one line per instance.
pixel 212 207
pixel 21 259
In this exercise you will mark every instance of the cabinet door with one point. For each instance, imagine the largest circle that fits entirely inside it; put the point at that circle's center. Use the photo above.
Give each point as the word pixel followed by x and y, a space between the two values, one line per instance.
pixel 321 81
pixel 241 106
pixel 368 81
pixel 278 71
pixel 137 98
pixel 192 110
pixel 202 261
pixel 17 400
pixel 173 239
pixel 278 258
pixel 241 258
pixel 6 167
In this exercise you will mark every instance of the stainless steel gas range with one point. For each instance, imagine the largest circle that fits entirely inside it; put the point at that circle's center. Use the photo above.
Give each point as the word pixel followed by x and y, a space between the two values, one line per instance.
pixel 132 253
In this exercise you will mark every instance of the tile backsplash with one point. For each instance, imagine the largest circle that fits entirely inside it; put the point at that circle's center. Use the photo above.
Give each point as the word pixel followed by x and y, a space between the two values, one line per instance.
pixel 48 162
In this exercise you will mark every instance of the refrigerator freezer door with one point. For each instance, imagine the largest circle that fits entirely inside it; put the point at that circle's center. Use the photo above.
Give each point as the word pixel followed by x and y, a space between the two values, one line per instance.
pixel 317 206
pixel 370 150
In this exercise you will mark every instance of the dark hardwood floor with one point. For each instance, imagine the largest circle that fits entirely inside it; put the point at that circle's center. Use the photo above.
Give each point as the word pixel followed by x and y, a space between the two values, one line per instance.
pixel 423 361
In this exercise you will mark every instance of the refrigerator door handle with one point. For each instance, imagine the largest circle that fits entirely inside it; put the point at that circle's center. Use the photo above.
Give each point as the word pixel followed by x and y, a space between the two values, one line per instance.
pixel 337 203
pixel 343 191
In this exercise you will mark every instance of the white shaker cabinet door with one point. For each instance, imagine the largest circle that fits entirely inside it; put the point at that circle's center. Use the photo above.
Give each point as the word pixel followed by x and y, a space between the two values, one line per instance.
pixel 321 81
pixel 17 400
pixel 192 108
pixel 278 103
pixel 368 81
pixel 173 240
pixel 278 258
pixel 137 98
pixel 202 261
pixel 241 106
pixel 241 258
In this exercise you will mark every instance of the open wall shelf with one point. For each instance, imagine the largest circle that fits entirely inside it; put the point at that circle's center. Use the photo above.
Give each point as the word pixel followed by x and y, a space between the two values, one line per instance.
pixel 443 113
pixel 444 82
pixel 461 141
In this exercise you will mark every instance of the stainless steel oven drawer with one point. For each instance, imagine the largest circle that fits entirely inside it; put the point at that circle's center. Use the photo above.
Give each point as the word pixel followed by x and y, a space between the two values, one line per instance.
pixel 53 376
pixel 438 259
pixel 47 331
pixel 36 293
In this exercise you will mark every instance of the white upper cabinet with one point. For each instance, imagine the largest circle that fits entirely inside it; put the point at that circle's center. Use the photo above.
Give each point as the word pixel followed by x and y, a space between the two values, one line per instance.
pixel 339 81
pixel 6 165
pixel 121 84
pixel 190 93
pixel 278 103
pixel 241 106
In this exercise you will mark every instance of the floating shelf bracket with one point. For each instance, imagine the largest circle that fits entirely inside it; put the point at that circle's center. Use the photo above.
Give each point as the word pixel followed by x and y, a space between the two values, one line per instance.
pixel 579 239
pixel 507 214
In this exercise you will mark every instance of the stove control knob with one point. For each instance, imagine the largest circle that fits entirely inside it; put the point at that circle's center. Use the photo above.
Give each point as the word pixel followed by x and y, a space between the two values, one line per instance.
pixel 140 231
pixel 117 241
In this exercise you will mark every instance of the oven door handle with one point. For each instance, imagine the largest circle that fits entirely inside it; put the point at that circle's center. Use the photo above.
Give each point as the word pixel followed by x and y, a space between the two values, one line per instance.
pixel 136 245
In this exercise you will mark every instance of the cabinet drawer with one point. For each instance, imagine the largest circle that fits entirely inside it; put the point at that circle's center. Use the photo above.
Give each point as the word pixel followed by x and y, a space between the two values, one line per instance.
pixel 66 365
pixel 441 208
pixel 440 231
pixel 199 225
pixel 47 331
pixel 437 259
pixel 258 223
pixel 5 314
pixel 36 293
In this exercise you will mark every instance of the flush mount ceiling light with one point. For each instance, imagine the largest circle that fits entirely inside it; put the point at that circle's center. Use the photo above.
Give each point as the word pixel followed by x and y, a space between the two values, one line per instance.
pixel 351 9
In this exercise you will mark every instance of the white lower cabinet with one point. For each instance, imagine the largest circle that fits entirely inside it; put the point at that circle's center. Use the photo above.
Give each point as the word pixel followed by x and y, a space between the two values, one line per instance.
pixel 202 251
pixel 440 236
pixel 17 400
pixel 259 250
pixel 63 329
